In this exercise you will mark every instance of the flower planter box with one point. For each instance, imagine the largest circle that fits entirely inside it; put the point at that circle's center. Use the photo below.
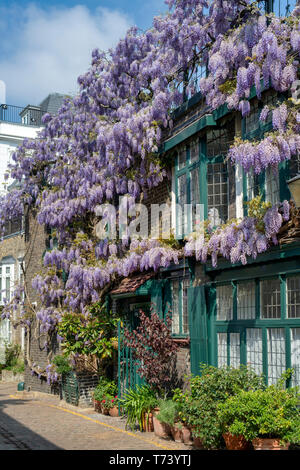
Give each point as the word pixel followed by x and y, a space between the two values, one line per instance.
pixel 236 442
pixel 268 444
pixel 114 412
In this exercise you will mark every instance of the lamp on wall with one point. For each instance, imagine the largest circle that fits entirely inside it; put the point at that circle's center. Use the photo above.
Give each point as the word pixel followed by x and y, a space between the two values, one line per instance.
pixel 294 187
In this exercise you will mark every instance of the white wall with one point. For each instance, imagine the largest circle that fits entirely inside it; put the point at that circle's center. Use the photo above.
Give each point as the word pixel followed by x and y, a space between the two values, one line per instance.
pixel 11 136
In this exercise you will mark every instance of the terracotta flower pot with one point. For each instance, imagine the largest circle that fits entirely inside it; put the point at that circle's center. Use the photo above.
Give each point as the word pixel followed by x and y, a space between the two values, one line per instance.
pixel 268 444
pixel 161 429
pixel 104 410
pixel 114 412
pixel 236 442
pixel 97 406
pixel 176 432
pixel 148 422
pixel 197 443
pixel 186 435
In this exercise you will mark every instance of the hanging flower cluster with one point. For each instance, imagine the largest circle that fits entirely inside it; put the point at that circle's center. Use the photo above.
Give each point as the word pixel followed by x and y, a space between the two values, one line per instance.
pixel 238 240
pixel 104 143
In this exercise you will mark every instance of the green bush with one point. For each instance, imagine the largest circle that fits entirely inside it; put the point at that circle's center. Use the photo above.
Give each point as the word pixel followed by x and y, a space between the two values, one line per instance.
pixel 269 413
pixel 61 364
pixel 168 412
pixel 12 356
pixel 106 389
pixel 136 403
pixel 199 405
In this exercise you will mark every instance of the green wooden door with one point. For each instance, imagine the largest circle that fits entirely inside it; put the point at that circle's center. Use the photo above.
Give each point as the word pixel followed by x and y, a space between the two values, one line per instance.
pixel 198 327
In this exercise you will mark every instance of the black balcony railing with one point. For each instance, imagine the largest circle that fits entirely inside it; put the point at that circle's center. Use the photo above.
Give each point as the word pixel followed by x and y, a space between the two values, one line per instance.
pixel 28 116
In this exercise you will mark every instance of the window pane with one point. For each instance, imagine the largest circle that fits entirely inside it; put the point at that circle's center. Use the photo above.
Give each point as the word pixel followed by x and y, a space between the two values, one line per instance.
pixel 175 307
pixel 218 141
pixel 224 303
pixel 246 301
pixel 194 151
pixel 270 298
pixel 276 354
pixel 222 349
pixel 217 192
pixel 295 355
pixel 294 165
pixel 252 185
pixel 252 120
pixel 181 157
pixel 254 349
pixel 235 349
pixel 7 288
pixel 272 186
pixel 293 297
pixel 182 200
pixel 195 196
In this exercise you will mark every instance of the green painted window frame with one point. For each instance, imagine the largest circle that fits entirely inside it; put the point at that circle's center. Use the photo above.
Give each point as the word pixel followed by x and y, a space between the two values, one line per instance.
pixel 201 164
pixel 283 167
pixel 264 324
pixel 180 280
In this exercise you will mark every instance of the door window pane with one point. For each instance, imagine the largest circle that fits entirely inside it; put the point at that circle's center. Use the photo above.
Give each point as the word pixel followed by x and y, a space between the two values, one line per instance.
pixel 175 307
pixel 270 299
pixel 185 320
pixel 276 354
pixel 254 349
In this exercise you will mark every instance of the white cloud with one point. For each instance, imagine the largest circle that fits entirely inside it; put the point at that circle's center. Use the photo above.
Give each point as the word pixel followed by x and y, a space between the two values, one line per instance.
pixel 52 48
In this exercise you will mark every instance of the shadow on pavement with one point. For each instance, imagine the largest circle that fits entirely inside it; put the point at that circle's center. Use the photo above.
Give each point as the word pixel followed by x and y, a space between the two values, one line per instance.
pixel 13 434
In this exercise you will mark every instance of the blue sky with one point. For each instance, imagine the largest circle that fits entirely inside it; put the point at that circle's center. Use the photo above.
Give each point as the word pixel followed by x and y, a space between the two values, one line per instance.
pixel 45 45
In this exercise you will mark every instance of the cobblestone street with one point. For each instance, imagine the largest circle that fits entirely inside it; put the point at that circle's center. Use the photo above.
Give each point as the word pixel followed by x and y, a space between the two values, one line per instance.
pixel 32 424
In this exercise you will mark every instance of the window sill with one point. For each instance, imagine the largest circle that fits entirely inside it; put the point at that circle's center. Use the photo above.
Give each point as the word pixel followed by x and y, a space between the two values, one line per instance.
pixel 181 341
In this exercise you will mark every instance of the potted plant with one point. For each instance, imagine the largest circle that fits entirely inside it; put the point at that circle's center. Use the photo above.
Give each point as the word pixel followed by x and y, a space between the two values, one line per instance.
pixel 269 418
pixel 105 391
pixel 213 386
pixel 164 420
pixel 114 406
pixel 180 398
pixel 138 405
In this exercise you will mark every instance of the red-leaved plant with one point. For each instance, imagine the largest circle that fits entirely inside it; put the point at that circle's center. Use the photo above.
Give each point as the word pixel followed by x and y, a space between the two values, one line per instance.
pixel 154 350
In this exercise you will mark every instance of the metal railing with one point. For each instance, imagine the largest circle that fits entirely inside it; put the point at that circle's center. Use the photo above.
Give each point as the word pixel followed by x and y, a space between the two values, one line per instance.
pixel 28 116
pixel 279 7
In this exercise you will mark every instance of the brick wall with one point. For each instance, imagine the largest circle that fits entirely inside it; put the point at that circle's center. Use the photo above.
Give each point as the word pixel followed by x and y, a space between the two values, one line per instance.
pixel 86 385
pixel 35 242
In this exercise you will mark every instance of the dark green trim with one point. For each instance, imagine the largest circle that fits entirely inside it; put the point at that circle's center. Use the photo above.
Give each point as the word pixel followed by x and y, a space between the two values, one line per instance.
pixel 204 121
pixel 273 254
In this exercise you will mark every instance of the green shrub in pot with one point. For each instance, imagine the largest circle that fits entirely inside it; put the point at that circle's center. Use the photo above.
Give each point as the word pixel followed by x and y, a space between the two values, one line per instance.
pixel 269 413
pixel 213 386
pixel 137 403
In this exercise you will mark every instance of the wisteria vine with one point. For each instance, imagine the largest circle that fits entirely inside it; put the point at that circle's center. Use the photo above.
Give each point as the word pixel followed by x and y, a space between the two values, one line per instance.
pixel 104 143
